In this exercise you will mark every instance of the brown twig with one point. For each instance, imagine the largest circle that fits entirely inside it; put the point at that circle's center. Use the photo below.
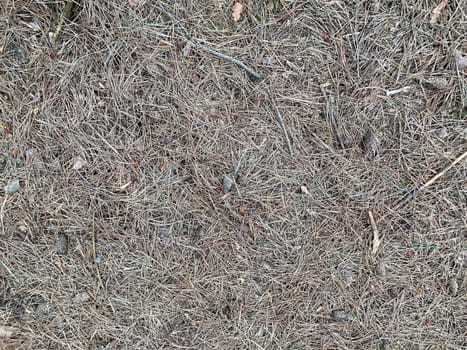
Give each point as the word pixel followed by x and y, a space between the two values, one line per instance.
pixel 251 73
pixel 279 118
pixel 411 195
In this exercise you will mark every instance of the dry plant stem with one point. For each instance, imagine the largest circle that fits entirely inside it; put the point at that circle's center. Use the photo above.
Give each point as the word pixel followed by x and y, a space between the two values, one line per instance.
pixel 279 118
pixel 406 199
pixel 253 75
pixel 9 271
pixel 66 15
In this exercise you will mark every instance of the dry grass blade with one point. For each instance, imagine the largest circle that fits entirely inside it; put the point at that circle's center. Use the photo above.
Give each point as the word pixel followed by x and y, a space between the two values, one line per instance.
pixel 65 17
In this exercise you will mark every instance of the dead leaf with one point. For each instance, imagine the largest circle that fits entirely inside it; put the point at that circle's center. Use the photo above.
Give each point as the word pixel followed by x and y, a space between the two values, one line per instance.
pixel 461 60
pixel 237 9
pixel 133 3
pixel 7 331
pixel 437 11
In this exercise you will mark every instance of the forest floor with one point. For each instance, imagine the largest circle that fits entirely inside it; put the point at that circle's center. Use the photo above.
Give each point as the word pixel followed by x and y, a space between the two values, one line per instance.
pixel 154 196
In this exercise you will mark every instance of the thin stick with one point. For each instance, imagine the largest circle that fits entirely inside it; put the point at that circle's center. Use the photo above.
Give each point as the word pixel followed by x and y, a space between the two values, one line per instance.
pixel 406 199
pixel 9 271
pixel 251 73
pixel 66 16
pixel 279 119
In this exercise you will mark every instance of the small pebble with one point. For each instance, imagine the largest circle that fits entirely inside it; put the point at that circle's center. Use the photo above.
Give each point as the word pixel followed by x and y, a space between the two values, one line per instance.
pixel 79 163
pixel 81 298
pixel 339 316
pixel 99 258
pixel 227 183
pixel 12 187
pixel 442 133
pixel 62 244
pixel 43 308
pixel 30 154
pixel 381 269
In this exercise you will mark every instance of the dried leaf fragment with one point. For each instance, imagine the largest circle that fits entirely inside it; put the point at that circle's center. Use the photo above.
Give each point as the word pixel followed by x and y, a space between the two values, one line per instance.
pixel 437 11
pixel 7 331
pixel 237 10
pixel 270 5
pixel 242 211
pixel 376 239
